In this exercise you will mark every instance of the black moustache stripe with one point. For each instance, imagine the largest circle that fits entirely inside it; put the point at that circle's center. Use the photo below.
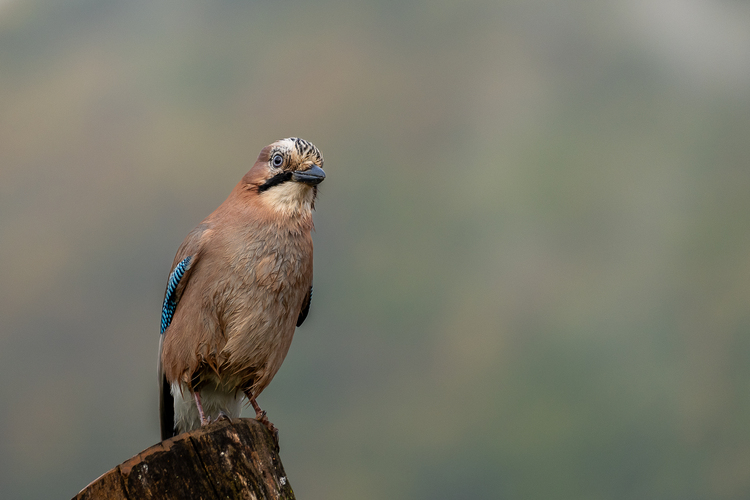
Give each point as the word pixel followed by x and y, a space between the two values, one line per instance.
pixel 275 181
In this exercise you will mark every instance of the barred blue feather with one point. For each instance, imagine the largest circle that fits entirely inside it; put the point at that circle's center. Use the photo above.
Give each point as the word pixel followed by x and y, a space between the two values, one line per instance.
pixel 170 301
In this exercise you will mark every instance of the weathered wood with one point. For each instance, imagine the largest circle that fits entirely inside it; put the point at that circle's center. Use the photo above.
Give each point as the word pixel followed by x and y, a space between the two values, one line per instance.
pixel 226 460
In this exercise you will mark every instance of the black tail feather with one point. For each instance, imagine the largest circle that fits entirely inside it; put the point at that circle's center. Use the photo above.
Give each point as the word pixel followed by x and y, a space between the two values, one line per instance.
pixel 166 410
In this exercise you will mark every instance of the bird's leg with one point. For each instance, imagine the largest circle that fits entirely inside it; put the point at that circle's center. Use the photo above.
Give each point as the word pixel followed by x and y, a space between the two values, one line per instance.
pixel 197 397
pixel 260 415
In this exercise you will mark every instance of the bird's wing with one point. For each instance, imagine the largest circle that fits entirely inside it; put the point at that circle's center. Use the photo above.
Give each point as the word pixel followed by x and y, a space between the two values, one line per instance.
pixel 185 261
pixel 305 307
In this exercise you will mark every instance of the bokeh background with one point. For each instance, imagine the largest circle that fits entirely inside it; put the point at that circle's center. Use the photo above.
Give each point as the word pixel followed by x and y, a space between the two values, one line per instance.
pixel 532 248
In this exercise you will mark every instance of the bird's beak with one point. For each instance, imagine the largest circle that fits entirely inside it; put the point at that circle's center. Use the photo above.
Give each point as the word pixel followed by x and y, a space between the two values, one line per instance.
pixel 312 176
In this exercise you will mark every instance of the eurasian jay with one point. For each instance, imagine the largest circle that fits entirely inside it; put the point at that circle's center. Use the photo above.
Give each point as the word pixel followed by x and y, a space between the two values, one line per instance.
pixel 240 284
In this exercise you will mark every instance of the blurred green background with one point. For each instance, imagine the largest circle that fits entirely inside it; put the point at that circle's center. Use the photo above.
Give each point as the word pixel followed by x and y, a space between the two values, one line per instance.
pixel 532 267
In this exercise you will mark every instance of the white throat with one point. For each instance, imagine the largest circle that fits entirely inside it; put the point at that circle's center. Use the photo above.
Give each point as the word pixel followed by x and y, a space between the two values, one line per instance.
pixel 290 198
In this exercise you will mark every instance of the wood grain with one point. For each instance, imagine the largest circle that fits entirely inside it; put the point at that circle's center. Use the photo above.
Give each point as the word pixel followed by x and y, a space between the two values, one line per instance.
pixel 226 459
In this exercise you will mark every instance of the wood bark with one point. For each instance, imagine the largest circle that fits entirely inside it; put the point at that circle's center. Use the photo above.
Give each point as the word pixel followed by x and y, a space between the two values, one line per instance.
pixel 225 459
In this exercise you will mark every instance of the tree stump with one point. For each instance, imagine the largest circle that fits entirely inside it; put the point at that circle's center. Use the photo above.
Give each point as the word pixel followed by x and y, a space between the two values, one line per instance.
pixel 225 459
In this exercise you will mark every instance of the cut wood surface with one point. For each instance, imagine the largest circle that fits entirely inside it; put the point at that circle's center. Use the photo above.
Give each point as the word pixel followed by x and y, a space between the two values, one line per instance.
pixel 225 459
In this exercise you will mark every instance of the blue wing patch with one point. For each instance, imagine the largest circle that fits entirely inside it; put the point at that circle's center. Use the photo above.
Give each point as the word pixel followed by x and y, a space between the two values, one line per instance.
pixel 170 301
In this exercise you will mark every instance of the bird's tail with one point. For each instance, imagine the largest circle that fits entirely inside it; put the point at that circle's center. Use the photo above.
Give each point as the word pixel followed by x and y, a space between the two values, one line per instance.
pixel 166 401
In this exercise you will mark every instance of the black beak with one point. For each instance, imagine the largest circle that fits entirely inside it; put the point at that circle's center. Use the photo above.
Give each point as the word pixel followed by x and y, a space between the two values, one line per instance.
pixel 312 176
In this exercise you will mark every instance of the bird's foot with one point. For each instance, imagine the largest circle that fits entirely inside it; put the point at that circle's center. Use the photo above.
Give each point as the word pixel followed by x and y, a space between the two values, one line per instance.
pixel 222 416
pixel 263 419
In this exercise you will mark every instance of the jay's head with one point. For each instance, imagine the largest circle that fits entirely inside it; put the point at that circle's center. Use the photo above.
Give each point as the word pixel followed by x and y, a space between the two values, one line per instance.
pixel 286 175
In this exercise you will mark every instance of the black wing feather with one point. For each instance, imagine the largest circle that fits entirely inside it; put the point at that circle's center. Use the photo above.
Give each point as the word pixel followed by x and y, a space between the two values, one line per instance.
pixel 305 307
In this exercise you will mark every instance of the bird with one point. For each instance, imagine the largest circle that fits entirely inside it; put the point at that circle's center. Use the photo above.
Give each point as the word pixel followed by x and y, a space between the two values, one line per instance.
pixel 239 286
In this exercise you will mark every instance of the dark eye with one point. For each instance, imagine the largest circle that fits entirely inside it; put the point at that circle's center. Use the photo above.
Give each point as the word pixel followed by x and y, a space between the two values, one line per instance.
pixel 277 161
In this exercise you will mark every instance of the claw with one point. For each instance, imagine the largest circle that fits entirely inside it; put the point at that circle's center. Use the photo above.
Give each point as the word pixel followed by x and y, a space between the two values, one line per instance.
pixel 275 434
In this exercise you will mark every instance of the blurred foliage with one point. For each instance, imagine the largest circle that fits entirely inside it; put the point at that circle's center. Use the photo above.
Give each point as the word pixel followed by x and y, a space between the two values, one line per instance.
pixel 532 247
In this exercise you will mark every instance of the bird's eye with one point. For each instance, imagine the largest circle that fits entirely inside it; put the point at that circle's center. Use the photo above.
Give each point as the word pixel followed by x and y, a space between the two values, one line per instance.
pixel 277 160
